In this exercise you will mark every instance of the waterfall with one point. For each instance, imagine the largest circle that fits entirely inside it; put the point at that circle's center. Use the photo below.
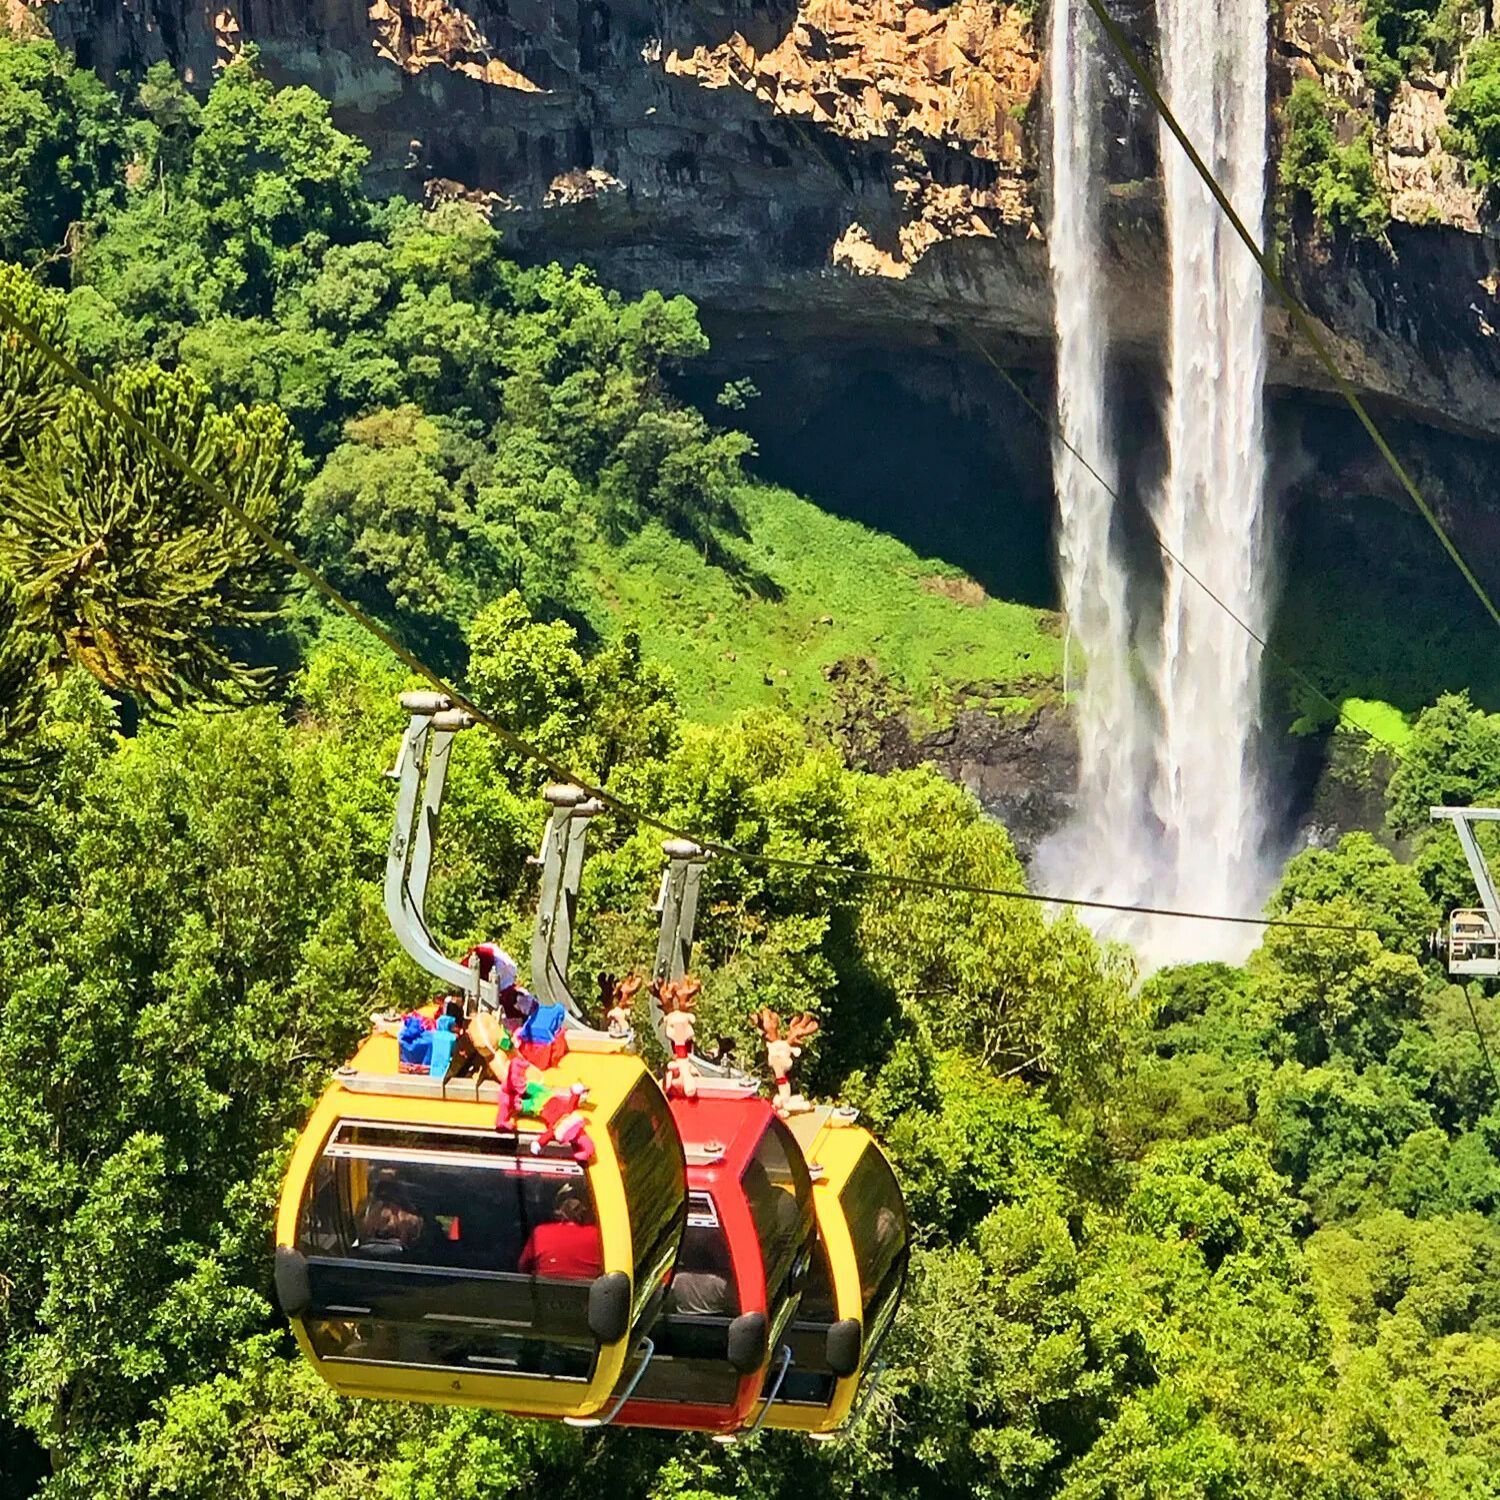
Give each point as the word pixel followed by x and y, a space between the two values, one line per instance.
pixel 1104 843
pixel 1210 511
pixel 1169 793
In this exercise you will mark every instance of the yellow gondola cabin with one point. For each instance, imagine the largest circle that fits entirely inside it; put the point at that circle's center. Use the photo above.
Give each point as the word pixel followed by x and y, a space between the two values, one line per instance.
pixel 424 1255
pixel 857 1274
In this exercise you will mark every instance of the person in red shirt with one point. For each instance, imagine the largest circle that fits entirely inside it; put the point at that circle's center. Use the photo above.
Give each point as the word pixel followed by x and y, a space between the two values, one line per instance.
pixel 568 1247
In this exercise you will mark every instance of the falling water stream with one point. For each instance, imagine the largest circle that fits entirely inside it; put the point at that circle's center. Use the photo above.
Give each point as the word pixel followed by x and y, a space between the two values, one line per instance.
pixel 1170 802
pixel 1210 511
pixel 1105 839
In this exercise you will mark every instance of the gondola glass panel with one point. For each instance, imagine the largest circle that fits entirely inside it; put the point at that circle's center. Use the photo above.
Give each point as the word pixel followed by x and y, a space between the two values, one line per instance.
pixel 692 1333
pixel 779 1192
pixel 651 1168
pixel 876 1215
pixel 477 1263
pixel 810 1381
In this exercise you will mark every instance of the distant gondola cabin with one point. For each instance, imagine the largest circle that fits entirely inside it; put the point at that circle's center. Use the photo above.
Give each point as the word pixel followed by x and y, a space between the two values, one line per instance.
pixel 424 1255
pixel 856 1278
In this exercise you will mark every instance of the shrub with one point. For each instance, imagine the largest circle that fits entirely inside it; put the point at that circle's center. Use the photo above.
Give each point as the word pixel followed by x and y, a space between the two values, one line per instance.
pixel 1474 112
pixel 1339 180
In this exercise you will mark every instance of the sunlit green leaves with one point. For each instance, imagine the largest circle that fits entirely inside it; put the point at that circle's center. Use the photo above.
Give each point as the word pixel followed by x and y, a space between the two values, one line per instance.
pixel 137 571
pixel 61 147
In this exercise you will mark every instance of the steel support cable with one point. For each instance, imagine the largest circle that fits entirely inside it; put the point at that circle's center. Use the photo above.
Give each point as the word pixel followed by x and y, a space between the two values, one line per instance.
pixel 1300 316
pixel 1484 1046
pixel 20 328
pixel 1288 668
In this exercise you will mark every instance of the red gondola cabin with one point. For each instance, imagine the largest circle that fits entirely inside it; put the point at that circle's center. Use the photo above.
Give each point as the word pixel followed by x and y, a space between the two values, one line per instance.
pixel 740 1272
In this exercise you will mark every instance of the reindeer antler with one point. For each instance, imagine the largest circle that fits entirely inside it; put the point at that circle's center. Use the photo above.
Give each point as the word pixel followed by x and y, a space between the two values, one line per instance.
pixel 800 1028
pixel 769 1023
pixel 677 994
pixel 616 991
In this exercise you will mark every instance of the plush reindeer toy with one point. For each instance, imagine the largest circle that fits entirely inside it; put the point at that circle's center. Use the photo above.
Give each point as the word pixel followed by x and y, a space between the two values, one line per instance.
pixel 781 1053
pixel 678 999
pixel 616 996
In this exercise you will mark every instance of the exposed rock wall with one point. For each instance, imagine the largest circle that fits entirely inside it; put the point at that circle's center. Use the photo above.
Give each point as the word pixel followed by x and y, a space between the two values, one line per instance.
pixel 860 170
pixel 909 79
pixel 1414 319
pixel 417 34
pixel 1426 185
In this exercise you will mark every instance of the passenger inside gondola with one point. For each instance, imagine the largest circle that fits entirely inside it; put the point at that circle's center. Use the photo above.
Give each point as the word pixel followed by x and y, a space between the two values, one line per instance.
pixel 390 1224
pixel 700 1284
pixel 568 1247
pixel 692 1336
pixel 446 1259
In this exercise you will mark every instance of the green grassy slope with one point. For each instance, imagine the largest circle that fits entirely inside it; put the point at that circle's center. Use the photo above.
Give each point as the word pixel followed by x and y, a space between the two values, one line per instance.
pixel 1371 609
pixel 827 589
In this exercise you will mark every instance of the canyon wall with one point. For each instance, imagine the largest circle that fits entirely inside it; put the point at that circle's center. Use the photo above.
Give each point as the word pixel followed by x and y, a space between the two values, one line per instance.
pixel 826 171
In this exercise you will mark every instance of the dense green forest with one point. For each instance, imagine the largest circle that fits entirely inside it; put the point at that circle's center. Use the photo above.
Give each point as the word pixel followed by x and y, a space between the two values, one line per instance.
pixel 1232 1232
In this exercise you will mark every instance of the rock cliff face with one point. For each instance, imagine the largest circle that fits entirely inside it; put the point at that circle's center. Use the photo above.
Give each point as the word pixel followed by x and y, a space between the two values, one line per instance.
pixel 1319 40
pixel 825 170
pixel 1415 320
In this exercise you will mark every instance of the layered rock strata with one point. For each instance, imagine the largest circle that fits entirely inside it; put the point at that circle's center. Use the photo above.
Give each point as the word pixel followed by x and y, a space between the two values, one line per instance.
pixel 860 170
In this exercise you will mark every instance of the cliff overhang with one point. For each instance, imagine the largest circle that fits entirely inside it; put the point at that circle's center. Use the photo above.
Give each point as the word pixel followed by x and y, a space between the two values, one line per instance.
pixel 860 171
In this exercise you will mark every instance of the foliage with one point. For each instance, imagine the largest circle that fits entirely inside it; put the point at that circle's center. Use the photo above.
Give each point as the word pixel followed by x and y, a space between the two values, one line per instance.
pixel 137 571
pixel 195 909
pixel 599 713
pixel 474 427
pixel 1339 180
pixel 1383 892
pixel 1382 722
pixel 1400 37
pixel 32 387
pixel 822 591
pixel 1234 1234
pixel 185 916
pixel 1453 759
pixel 978 973
pixel 24 658
pixel 242 189
pixel 250 251
pixel 107 558
pixel 413 520
pixel 61 147
pixel 303 1441
pixel 1474 112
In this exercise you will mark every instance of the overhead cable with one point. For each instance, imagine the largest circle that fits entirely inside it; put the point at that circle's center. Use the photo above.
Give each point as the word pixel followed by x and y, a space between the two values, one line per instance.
pixel 21 328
